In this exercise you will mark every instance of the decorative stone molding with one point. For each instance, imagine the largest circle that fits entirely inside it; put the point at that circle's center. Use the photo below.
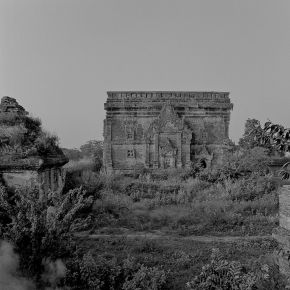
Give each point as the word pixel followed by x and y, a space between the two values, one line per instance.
pixel 167 121
pixel 173 95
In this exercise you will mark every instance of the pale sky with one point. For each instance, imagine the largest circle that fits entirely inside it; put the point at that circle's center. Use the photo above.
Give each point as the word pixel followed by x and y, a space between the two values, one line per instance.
pixel 59 57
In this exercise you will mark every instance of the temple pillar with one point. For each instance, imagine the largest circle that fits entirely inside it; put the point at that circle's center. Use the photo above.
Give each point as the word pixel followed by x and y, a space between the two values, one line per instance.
pixel 227 125
pixel 147 156
pixel 108 145
pixel 179 151
pixel 187 154
pixel 156 151
pixel 51 179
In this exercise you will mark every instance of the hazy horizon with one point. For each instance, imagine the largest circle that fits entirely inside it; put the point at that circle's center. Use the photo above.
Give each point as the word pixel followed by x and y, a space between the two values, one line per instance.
pixel 58 58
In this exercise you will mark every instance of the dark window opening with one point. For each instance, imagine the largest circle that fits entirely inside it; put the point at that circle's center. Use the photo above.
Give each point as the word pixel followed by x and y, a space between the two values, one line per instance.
pixel 130 153
pixel 130 136
pixel 202 163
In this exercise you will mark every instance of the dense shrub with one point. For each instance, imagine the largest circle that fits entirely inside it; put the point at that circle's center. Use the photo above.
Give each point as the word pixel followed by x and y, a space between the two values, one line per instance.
pixel 244 162
pixel 26 133
pixel 46 144
pixel 40 226
pixel 105 272
pixel 220 273
pixel 147 279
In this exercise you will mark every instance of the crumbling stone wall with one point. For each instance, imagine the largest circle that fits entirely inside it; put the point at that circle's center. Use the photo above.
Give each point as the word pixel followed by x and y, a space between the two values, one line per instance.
pixel 165 129
pixel 10 106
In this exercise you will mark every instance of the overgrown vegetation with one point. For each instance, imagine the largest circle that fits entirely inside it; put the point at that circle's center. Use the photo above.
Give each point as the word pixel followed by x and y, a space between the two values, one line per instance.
pixel 23 135
pixel 220 273
pixel 135 231
pixel 238 199
pixel 40 227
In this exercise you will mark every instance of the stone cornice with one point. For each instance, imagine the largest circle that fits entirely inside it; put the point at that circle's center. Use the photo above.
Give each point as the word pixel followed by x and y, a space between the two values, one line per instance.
pixel 143 95
pixel 15 162
pixel 131 99
pixel 130 105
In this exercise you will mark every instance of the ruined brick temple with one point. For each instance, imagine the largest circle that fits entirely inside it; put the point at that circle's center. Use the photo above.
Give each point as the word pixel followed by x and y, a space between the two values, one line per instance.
pixel 22 165
pixel 165 129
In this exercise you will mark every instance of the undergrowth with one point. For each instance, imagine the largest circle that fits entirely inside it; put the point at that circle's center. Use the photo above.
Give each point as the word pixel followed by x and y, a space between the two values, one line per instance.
pixel 245 206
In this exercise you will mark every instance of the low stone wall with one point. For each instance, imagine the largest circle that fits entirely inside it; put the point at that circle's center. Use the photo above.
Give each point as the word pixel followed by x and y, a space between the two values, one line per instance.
pixel 50 179
pixel 20 178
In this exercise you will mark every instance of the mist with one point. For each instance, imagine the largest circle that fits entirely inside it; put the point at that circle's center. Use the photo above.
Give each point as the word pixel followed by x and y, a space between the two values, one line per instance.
pixel 10 278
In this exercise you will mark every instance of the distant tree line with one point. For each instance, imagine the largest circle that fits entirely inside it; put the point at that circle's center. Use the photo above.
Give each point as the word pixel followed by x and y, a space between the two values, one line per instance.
pixel 92 149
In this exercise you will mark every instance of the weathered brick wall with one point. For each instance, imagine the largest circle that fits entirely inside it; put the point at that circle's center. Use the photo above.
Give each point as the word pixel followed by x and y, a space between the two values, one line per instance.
pixel 18 178
pixel 121 160
pixel 50 179
pixel 205 114
pixel 215 128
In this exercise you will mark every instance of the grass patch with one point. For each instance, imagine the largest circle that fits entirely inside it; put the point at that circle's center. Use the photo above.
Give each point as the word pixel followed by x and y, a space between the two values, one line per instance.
pixel 247 206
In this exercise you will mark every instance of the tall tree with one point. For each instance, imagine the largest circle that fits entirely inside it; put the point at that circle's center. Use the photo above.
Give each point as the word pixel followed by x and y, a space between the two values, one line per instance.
pixel 277 136
pixel 94 149
pixel 252 134
pixel 279 139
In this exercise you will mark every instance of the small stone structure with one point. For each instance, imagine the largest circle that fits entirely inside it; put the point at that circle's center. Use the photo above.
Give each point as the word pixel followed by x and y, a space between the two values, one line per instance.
pixel 165 129
pixel 18 169
pixel 282 233
pixel 45 173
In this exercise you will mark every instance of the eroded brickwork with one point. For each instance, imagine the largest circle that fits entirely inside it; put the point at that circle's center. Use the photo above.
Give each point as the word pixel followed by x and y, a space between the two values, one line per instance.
pixel 165 129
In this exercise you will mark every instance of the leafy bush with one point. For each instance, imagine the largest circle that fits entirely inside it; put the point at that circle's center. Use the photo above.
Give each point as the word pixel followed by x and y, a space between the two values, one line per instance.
pixel 252 134
pixel 26 132
pixel 90 273
pixel 12 135
pixel 244 162
pixel 220 273
pixel 250 188
pixel 104 272
pixel 47 143
pixel 40 226
pixel 146 279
